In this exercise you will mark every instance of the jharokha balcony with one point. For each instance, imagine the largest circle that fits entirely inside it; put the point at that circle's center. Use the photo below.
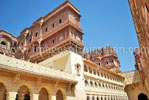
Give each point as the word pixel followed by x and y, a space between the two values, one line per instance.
pixel 5 50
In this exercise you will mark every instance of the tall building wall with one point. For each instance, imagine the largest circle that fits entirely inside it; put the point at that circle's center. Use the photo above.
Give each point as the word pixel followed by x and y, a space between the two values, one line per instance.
pixel 140 10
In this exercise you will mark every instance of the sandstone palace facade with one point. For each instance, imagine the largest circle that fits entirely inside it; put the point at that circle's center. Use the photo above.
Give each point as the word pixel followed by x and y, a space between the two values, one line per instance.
pixel 47 62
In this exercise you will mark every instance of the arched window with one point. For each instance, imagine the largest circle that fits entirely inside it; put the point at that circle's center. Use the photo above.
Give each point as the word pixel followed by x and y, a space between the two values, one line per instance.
pixel 96 84
pixel 86 83
pixel 101 98
pixel 43 94
pixel 91 83
pixel 93 98
pixel 97 98
pixel 53 25
pixel 103 85
pixel 35 49
pixel 88 98
pixel 24 93
pixel 60 21
pixel 36 34
pixel 46 29
pixel 3 43
pixel 13 50
pixel 107 62
pixel 59 95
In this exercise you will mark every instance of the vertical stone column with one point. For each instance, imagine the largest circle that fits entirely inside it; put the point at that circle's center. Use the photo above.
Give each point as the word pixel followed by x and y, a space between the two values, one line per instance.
pixel 12 95
pixel 53 97
pixel 87 68
pixel 39 46
pixel 21 97
pixel 35 96
pixel 25 42
pixel 41 23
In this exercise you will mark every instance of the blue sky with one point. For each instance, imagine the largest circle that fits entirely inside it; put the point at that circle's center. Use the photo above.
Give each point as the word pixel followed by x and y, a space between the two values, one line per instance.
pixel 104 22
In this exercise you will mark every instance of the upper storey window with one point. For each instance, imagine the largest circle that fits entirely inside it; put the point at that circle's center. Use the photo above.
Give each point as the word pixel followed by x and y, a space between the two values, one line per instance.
pixel 46 29
pixel 60 21
pixel 3 44
pixel 36 34
pixel 13 50
pixel 53 41
pixel 53 25
pixel 107 62
pixel 35 49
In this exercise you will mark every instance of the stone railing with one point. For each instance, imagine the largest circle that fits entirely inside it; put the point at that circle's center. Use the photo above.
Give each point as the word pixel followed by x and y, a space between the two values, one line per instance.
pixel 14 64
pixel 102 79
pixel 132 77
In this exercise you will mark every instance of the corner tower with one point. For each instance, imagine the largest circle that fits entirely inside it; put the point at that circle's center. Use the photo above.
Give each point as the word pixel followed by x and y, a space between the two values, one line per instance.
pixel 105 57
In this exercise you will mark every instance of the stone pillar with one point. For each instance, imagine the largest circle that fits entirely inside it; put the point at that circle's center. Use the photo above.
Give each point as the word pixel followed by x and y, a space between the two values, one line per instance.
pixel 39 46
pixel 87 68
pixel 21 97
pixel 53 97
pixel 12 95
pixel 25 39
pixel 41 23
pixel 35 96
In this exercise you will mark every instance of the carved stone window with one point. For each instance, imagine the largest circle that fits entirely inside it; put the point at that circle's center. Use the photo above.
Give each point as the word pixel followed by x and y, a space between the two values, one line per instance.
pixel 78 67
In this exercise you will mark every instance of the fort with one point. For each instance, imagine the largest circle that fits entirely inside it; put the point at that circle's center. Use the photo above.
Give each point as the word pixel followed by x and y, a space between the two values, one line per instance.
pixel 47 62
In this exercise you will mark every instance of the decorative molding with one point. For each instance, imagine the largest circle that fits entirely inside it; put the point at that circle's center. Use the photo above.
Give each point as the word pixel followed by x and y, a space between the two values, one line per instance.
pixel 16 78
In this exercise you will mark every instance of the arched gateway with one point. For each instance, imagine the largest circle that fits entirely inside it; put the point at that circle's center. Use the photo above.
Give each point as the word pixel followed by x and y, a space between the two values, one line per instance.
pixel 59 95
pixel 43 94
pixel 142 96
pixel 23 93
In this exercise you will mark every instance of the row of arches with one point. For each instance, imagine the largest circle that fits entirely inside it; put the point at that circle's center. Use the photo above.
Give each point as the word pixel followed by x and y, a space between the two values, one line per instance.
pixel 24 93
pixel 90 83
pixel 100 73
pixel 105 98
